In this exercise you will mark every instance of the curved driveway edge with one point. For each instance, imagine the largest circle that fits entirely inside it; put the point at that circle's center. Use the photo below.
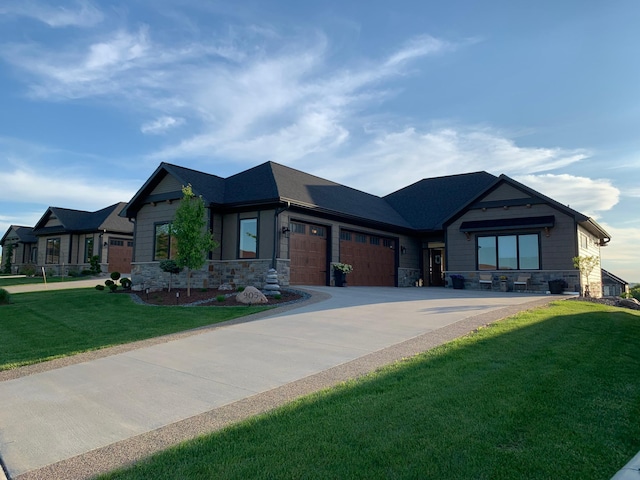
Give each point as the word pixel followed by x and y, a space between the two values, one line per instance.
pixel 279 358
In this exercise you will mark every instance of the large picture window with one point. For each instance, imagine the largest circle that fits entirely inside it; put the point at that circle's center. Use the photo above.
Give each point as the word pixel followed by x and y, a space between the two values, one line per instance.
pixel 165 247
pixel 508 252
pixel 53 251
pixel 248 241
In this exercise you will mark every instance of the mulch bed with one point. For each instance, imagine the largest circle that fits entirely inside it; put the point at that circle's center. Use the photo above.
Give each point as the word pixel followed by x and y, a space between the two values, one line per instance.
pixel 210 297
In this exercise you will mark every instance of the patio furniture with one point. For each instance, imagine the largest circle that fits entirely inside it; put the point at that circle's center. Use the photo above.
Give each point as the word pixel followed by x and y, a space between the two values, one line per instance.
pixel 522 281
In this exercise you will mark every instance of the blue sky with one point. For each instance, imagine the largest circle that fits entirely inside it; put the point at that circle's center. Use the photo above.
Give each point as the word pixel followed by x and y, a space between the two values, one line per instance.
pixel 372 94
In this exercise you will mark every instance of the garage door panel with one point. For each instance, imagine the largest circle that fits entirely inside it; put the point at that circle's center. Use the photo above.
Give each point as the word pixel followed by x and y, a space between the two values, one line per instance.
pixel 308 254
pixel 372 258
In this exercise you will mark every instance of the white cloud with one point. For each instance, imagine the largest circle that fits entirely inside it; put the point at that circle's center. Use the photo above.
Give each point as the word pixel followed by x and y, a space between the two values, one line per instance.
pixel 79 14
pixel 618 256
pixel 394 159
pixel 64 190
pixel 161 125
pixel 586 195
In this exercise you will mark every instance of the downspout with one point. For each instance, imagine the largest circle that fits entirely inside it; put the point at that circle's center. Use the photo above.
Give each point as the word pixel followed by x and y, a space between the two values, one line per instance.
pixel 275 232
pixel 135 230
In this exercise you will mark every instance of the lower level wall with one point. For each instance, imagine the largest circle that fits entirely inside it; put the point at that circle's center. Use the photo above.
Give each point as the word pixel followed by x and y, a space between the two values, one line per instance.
pixel 539 281
pixel 409 277
pixel 236 273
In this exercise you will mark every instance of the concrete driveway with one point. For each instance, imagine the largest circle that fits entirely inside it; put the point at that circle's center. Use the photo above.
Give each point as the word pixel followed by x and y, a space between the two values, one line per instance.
pixel 89 417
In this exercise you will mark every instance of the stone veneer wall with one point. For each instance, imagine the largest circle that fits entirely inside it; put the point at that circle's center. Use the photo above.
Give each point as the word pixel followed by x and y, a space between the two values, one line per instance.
pixel 538 283
pixel 407 277
pixel 215 273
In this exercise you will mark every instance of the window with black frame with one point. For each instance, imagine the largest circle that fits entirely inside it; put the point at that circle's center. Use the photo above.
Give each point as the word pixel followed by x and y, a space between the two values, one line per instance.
pixel 248 238
pixel 164 243
pixel 508 252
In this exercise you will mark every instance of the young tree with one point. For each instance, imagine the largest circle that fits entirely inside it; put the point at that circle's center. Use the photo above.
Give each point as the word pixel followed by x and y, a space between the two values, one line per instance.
pixel 192 238
pixel 8 254
pixel 586 266
pixel 171 267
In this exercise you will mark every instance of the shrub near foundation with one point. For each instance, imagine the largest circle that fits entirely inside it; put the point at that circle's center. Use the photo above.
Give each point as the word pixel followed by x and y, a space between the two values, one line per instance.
pixel 5 297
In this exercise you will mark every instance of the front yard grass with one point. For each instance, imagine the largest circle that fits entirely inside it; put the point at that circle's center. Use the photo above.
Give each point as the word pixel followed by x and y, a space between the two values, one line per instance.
pixel 42 326
pixel 551 393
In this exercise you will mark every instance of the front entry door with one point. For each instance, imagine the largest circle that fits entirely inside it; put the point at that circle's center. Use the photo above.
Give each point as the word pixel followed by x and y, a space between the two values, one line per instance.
pixel 436 259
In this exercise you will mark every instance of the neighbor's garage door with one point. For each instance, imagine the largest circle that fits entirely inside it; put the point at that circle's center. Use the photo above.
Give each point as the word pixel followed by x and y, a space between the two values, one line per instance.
pixel 372 258
pixel 120 255
pixel 308 254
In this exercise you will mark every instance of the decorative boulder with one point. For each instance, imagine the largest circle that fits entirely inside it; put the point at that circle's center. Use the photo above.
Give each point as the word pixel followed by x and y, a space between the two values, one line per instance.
pixel 630 303
pixel 251 296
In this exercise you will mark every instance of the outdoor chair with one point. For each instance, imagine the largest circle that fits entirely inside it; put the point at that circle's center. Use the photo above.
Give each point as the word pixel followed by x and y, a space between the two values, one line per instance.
pixel 522 281
pixel 486 279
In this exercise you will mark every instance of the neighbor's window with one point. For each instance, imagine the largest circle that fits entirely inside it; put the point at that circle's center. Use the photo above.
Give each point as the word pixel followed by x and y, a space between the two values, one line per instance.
pixel 508 252
pixel 88 249
pixel 165 247
pixel 248 242
pixel 53 250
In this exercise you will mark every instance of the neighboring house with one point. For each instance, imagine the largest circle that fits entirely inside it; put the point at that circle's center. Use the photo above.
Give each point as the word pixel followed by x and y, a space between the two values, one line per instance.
pixel 613 286
pixel 67 239
pixel 276 216
pixel 24 246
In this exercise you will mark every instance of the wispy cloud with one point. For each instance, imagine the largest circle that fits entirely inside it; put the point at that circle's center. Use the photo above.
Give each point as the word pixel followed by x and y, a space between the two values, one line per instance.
pixel 53 190
pixel 161 125
pixel 397 158
pixel 587 195
pixel 79 13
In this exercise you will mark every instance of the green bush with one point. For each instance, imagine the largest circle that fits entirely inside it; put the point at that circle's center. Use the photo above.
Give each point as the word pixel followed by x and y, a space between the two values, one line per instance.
pixel 277 296
pixel 100 287
pixel 5 297
pixel 126 283
pixel 221 298
pixel 29 270
pixel 108 283
pixel 95 264
pixel 635 292
pixel 86 272
pixel 240 289
pixel 73 273
pixel 115 276
pixel 113 287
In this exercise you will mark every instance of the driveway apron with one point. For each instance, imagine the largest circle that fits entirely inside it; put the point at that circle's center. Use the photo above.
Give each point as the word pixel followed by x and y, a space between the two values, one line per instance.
pixel 62 413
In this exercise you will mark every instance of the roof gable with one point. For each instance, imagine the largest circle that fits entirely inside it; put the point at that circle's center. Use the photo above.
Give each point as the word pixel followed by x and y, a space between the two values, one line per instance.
pixel 590 224
pixel 24 234
pixel 73 221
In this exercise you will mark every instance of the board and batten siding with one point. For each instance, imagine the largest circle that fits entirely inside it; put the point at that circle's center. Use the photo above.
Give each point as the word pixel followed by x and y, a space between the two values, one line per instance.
pixel 146 220
pixel 556 250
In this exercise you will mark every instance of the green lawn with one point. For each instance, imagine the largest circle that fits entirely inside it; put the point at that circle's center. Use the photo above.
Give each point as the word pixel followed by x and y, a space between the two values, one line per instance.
pixel 41 326
pixel 548 394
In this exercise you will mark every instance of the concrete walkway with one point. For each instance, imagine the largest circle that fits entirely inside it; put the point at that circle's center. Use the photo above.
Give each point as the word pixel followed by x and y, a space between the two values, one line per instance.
pixel 90 417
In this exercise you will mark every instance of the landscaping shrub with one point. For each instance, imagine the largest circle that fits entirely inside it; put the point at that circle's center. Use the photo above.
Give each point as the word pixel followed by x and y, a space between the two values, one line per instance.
pixel 108 283
pixel 86 272
pixel 240 289
pixel 126 283
pixel 29 270
pixel 73 273
pixel 115 276
pixel 5 297
pixel 100 287
pixel 221 298
pixel 113 287
pixel 95 264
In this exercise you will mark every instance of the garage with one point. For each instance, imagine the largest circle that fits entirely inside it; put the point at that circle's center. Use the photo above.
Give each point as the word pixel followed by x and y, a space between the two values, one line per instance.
pixel 308 254
pixel 373 258
pixel 120 255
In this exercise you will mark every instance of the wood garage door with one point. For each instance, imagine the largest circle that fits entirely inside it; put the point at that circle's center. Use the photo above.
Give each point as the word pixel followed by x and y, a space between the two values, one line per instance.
pixel 308 254
pixel 120 255
pixel 372 258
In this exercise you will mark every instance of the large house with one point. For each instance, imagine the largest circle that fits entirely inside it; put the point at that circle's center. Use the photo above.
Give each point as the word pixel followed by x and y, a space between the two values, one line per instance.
pixel 490 230
pixel 64 240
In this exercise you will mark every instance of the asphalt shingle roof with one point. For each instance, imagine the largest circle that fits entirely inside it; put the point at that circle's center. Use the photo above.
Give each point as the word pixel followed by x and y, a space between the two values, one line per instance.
pixel 428 203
